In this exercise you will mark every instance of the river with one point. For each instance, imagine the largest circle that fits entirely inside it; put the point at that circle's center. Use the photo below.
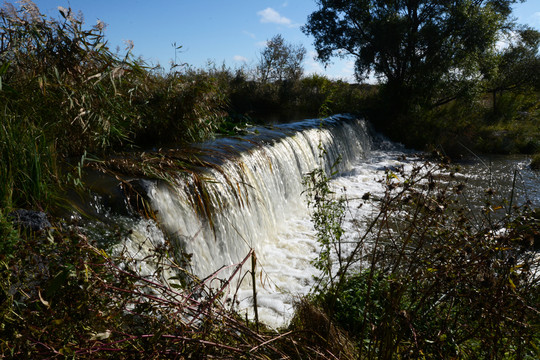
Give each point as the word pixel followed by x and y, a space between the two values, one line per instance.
pixel 257 200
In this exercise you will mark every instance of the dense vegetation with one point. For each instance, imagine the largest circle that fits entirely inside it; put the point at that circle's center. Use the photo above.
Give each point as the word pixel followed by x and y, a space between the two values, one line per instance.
pixel 436 61
pixel 424 277
pixel 67 100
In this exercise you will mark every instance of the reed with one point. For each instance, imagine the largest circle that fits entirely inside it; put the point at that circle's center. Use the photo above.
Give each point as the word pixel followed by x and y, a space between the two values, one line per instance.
pixel 28 163
pixel 64 93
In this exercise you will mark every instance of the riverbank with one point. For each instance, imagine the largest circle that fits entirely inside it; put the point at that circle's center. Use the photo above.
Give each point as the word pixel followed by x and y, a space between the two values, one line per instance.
pixel 92 299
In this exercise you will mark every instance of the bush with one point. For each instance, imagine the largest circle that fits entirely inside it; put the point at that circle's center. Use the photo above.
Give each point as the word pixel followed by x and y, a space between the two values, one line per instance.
pixel 61 297
pixel 178 108
pixel 435 282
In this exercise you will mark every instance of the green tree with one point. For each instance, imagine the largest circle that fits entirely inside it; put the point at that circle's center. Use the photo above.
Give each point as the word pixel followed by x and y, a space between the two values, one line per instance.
pixel 425 52
pixel 281 61
pixel 514 67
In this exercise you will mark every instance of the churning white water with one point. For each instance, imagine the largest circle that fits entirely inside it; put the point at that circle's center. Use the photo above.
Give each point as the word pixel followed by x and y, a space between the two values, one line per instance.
pixel 257 202
pixel 255 193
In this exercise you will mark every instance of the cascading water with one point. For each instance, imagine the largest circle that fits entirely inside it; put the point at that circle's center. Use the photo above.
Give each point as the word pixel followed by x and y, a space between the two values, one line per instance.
pixel 251 198
pixel 256 200
pixel 257 191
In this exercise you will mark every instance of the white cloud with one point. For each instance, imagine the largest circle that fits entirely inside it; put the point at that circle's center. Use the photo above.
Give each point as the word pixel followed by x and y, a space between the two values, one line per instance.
pixel 505 40
pixel 270 15
pixel 251 35
pixel 500 45
pixel 536 17
pixel 240 58
pixel 348 70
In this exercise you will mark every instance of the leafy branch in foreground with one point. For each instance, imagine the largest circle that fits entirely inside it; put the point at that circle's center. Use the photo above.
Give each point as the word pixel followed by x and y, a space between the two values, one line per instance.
pixel 327 216
pixel 424 279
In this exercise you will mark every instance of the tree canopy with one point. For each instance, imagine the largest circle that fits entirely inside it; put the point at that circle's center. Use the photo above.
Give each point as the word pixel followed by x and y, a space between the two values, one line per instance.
pixel 280 60
pixel 516 65
pixel 420 49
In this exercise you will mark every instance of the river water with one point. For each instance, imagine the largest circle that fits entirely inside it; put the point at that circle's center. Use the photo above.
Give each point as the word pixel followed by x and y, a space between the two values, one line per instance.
pixel 259 203
pixel 286 259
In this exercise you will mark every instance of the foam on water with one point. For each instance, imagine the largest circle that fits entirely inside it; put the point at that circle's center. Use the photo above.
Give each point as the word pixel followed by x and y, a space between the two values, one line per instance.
pixel 258 203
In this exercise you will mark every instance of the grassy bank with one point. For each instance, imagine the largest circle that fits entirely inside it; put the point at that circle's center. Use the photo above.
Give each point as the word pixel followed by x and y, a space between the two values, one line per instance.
pixel 470 124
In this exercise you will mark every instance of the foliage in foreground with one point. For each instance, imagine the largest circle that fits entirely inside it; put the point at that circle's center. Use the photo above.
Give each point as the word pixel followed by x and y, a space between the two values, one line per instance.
pixel 429 279
pixel 61 297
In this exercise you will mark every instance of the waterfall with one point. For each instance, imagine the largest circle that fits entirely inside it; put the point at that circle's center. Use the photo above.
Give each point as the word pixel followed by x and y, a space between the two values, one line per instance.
pixel 255 193
pixel 246 195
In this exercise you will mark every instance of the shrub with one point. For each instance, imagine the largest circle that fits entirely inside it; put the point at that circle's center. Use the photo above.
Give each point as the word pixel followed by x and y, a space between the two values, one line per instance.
pixel 178 108
pixel 435 282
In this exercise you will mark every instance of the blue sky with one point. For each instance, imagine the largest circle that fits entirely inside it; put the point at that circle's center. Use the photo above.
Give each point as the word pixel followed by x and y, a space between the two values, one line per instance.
pixel 230 31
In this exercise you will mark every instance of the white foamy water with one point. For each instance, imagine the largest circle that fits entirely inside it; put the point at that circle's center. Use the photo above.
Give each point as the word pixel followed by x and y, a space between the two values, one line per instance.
pixel 256 199
pixel 257 202
pixel 286 257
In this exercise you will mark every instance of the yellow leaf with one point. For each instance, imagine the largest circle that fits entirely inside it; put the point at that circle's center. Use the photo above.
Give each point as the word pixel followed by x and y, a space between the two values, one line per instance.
pixel 44 302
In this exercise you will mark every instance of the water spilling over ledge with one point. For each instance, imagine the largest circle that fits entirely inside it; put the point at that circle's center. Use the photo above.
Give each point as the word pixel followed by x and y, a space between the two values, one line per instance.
pixel 251 193
pixel 251 198
pixel 245 194
pixel 237 194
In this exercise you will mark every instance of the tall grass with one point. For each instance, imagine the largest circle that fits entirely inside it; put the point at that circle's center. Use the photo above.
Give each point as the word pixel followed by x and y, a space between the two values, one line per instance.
pixel 64 93
pixel 63 79
pixel 28 163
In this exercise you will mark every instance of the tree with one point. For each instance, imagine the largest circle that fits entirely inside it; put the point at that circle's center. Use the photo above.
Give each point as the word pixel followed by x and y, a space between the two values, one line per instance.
pixel 420 49
pixel 514 67
pixel 281 61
